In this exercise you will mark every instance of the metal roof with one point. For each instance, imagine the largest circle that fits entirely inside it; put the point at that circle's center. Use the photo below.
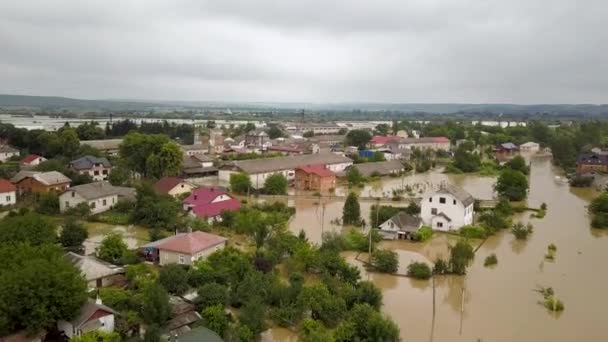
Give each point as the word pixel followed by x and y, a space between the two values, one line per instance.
pixel 263 165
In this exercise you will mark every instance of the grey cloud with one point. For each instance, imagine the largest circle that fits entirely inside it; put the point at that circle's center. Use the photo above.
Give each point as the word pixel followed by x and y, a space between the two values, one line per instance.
pixel 543 51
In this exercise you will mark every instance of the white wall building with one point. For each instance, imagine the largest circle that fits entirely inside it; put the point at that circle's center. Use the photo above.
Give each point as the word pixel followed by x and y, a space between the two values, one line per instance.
pixel 92 316
pixel 100 196
pixel 6 152
pixel 529 147
pixel 447 209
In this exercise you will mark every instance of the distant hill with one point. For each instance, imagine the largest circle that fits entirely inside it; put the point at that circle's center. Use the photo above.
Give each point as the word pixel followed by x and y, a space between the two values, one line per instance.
pixel 59 103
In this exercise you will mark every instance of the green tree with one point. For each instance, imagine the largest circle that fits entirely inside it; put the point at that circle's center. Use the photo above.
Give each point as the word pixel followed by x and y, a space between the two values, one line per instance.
pixel 48 203
pixel 253 315
pixel 31 228
pixel 351 213
pixel 275 132
pixel 38 286
pixel 215 319
pixel 368 293
pixel 512 185
pixel 371 325
pixel 382 129
pixel 156 211
pixel 354 177
pixel 314 331
pixel 358 138
pixel 90 131
pixel 385 261
pixel 378 157
pixel 112 248
pixel 518 163
pixel 240 183
pixel 97 336
pixel 276 184
pixel 212 294
pixel 153 333
pixel 69 142
pixel 118 176
pixel 323 305
pixel 156 308
pixel 599 211
pixel 466 161
pixel 419 270
pixel 152 155
pixel 308 134
pixel 174 278
pixel 461 255
pixel 73 234
pixel 167 162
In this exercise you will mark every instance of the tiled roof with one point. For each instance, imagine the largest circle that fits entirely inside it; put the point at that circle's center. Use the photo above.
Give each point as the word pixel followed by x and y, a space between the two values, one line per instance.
pixel 215 209
pixel 406 222
pixel 383 168
pixel 87 310
pixel 191 243
pixel 95 190
pixel 92 268
pixel 318 170
pixel 46 178
pixel 30 158
pixel 381 140
pixel 253 166
pixel 166 184
pixel 592 159
pixel 8 149
pixel 203 195
pixel 6 186
pixel 87 162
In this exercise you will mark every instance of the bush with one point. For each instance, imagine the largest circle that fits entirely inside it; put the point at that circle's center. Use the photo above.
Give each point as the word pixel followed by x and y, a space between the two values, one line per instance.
pixel 73 234
pixel 473 232
pixel 522 231
pixel 491 260
pixel 553 304
pixel 174 278
pixel 423 234
pixel 441 267
pixel 419 270
pixel 581 181
pixel 385 261
pixel 276 185
pixel 48 203
pixel 81 210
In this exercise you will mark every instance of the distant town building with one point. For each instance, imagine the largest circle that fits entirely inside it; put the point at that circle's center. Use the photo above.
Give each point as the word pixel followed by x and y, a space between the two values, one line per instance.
pixel 190 150
pixel 381 141
pixel 529 147
pixel 426 143
pixel 447 209
pixel 384 168
pixel 256 138
pixel 108 146
pixel 98 168
pixel 315 178
pixel 592 162
pixel 320 128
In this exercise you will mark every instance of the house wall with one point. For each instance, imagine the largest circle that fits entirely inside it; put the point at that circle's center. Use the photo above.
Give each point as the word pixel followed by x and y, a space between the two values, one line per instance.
pixel 170 257
pixel 180 189
pixel 8 198
pixel 459 215
pixel 36 161
pixel 339 167
pixel 66 201
pixel 585 168
pixel 529 148
pixel 104 323
pixel 4 156
pixel 98 173
pixel 31 185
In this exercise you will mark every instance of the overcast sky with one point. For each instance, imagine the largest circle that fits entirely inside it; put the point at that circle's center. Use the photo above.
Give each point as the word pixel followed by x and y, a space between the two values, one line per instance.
pixel 468 51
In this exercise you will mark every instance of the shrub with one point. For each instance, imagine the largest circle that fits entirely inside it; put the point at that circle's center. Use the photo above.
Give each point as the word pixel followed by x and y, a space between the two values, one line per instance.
pixel 473 232
pixel 553 304
pixel 174 278
pixel 384 261
pixel 520 231
pixel 423 234
pixel 491 260
pixel 441 267
pixel 581 181
pixel 419 270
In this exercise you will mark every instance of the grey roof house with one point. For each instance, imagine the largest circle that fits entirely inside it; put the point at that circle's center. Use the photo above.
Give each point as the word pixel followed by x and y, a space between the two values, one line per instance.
pixel 100 196
pixel 401 226
pixel 98 168
pixel 98 273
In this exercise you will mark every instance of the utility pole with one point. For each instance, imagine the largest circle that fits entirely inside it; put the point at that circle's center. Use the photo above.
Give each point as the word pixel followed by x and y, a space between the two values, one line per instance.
pixel 322 218
pixel 371 227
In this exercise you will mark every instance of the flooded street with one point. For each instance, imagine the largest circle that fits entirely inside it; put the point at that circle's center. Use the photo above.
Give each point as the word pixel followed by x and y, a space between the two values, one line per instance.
pixel 500 303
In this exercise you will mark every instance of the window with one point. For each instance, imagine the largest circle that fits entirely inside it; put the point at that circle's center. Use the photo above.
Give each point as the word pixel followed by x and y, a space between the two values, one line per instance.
pixel 442 200
pixel 431 199
pixel 67 204
pixel 92 205
pixel 105 172
pixel 96 172
pixel 182 259
pixel 433 211
pixel 8 198
pixel 439 224
pixel 105 202
pixel 454 202
pixel 73 194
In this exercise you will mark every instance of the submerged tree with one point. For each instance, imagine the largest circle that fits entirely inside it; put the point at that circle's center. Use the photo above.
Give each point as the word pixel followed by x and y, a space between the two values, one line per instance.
pixel 351 213
pixel 461 255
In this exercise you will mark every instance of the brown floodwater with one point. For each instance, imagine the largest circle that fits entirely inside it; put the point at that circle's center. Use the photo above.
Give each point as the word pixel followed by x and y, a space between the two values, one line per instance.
pixel 492 303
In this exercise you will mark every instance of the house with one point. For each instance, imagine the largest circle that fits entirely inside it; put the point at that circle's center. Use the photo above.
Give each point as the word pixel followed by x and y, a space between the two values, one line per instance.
pixel 198 165
pixel 39 182
pixel 286 150
pixel 190 150
pixel 329 140
pixel 260 169
pixel 108 146
pixel 8 193
pixel 209 203
pixel 100 196
pixel 173 186
pixel 384 168
pixel 315 178
pixel 32 160
pixel 7 152
pixel 184 316
pixel 93 316
pixel 592 162
pixel 184 248
pixel 97 273
pixel 401 226
pixel 529 147
pixel 320 128
pixel 381 141
pixel 426 143
pixel 98 168
pixel 214 141
pixel 256 138
pixel 447 209
pixel 505 150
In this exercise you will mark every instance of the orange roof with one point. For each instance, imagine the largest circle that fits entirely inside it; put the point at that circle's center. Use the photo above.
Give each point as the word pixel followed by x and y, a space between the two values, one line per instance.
pixel 191 243
pixel 30 158
pixel 318 170
pixel 6 186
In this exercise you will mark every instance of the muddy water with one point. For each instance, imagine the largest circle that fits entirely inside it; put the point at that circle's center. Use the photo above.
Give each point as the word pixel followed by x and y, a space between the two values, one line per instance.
pixel 498 303
pixel 133 236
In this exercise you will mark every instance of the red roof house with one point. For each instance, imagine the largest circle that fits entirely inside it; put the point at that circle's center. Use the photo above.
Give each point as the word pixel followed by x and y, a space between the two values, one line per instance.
pixel 315 177
pixel 209 202
pixel 172 186
pixel 185 248
pixel 6 186
pixel 32 160
pixel 379 140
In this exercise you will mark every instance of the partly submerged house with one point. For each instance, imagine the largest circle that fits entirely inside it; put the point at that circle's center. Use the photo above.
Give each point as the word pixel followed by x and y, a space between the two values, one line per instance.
pixel 448 208
pixel 592 162
pixel 209 203
pixel 315 178
pixel 184 248
pixel 7 152
pixel 529 147
pixel 401 226
pixel 505 150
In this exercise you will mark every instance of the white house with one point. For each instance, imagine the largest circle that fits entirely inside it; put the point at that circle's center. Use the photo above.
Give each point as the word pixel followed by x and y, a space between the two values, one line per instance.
pixel 100 196
pixel 8 193
pixel 529 147
pixel 6 152
pixel 447 209
pixel 260 169
pixel 400 226
pixel 190 150
pixel 173 186
pixel 92 316
pixel 32 160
